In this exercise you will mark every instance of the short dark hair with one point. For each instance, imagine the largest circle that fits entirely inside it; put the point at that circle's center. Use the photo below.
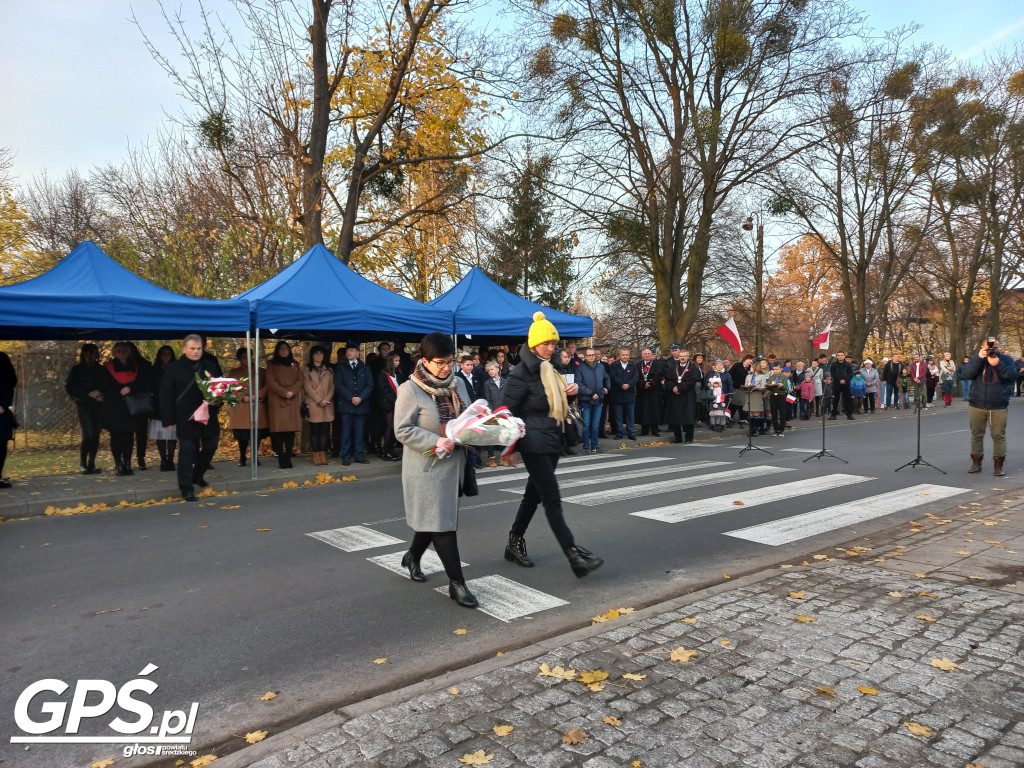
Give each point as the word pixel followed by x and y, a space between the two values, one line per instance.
pixel 313 350
pixel 465 357
pixel 435 345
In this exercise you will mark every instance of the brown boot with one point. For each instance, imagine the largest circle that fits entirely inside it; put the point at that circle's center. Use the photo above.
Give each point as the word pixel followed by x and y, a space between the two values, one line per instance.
pixel 997 463
pixel 318 458
pixel 975 463
pixel 323 459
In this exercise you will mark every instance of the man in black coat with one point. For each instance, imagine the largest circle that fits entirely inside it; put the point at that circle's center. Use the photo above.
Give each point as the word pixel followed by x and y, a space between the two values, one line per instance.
pixel 180 396
pixel 842 372
pixel 648 395
pixel 891 374
pixel 738 373
pixel 624 375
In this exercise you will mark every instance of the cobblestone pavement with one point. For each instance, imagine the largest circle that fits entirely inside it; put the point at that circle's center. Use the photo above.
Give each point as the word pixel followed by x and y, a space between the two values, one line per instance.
pixel 833 661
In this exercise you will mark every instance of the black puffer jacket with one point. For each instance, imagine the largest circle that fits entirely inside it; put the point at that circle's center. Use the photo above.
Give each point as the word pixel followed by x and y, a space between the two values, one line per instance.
pixel 524 395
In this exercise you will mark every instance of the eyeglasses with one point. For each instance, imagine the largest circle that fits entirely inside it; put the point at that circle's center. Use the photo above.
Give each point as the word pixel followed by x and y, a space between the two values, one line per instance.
pixel 442 364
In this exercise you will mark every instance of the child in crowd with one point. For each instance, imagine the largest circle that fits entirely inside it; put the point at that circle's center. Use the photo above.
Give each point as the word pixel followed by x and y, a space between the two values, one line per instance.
pixel 826 394
pixel 858 388
pixel 806 396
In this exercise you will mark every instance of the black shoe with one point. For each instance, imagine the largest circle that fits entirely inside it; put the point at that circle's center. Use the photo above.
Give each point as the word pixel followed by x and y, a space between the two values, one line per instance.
pixel 92 470
pixel 345 462
pixel 618 437
pixel 655 434
pixel 632 437
pixel 361 460
pixel 582 561
pixel 390 457
pixel 831 418
pixel 84 470
pixel 459 592
pixel 142 465
pixel 189 496
pixel 127 469
pixel 200 482
pixel 4 484
pixel 515 551
pixel 415 573
pixel 849 417
pixel 241 462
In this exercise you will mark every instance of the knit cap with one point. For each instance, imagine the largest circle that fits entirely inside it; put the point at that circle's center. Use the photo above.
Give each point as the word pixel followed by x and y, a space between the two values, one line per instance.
pixel 541 330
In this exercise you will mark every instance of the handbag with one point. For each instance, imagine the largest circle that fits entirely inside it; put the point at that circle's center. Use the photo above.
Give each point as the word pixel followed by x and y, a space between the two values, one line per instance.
pixel 140 404
pixel 572 427
pixel 304 409
pixel 468 486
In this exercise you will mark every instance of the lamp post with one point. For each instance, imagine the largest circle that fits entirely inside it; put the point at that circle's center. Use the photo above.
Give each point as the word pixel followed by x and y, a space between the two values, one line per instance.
pixel 748 225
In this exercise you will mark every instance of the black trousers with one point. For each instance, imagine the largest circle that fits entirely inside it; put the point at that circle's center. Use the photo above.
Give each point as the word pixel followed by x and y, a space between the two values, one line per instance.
pixel 89 418
pixel 3 456
pixel 141 440
pixel 446 544
pixel 121 444
pixel 194 457
pixel 780 412
pixel 542 486
pixel 842 391
pixel 679 431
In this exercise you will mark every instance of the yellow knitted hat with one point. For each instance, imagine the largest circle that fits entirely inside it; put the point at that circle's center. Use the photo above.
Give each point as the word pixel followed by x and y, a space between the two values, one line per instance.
pixel 540 331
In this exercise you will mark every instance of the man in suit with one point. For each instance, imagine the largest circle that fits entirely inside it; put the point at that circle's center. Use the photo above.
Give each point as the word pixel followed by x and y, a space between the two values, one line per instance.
pixel 180 396
pixel 353 385
pixel 648 394
pixel 624 375
pixel 918 381
pixel 892 371
pixel 842 372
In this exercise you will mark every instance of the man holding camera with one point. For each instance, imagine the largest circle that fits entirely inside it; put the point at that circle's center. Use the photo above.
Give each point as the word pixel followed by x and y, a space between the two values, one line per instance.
pixel 991 372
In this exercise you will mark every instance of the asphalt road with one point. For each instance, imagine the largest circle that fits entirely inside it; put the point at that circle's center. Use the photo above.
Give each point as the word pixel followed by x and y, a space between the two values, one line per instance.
pixel 229 612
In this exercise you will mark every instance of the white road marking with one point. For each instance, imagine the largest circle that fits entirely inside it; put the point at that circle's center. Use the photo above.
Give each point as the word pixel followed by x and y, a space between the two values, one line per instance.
pixel 667 486
pixel 505 599
pixel 354 538
pixel 842 515
pixel 690 510
pixel 951 432
pixel 484 471
pixel 489 479
pixel 631 474
pixel 429 563
pixel 801 450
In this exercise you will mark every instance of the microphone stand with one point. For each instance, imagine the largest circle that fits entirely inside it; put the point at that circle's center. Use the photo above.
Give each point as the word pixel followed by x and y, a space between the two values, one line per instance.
pixel 750 437
pixel 824 452
pixel 917 460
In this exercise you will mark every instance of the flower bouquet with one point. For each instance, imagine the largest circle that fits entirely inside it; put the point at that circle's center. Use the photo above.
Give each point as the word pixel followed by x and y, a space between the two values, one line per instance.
pixel 217 390
pixel 479 425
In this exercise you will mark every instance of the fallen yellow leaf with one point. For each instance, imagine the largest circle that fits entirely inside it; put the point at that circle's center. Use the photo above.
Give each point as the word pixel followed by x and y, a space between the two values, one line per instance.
pixel 867 691
pixel 738 503
pixel 636 764
pixel 503 730
pixel 232 506
pixel 454 691
pixel 920 575
pixel 199 762
pixel 561 674
pixel 461 631
pixel 821 557
pixel 726 576
pixel 612 614
pixel 922 617
pixel 927 594
pixel 476 758
pixel 787 565
pixel 919 730
pixel 681 654
pixel 632 676
pixel 594 676
pixel 963 552
pixel 262 530
pixel 726 642
pixel 575 736
pixel 268 696
pixel 894 594
pixel 612 721
pixel 689 620
pixel 102 763
pixel 825 691
pixel 290 484
pixel 255 736
pixel 596 687
pixel 944 664
pixel 798 595
pixel 381 660
pixel 805 619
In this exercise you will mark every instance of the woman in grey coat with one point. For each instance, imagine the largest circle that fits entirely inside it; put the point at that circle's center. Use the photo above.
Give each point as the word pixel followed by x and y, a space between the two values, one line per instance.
pixel 431 398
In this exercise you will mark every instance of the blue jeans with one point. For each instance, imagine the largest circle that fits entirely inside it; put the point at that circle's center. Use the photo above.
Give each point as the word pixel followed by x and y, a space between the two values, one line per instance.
pixel 966 384
pixel 591 420
pixel 352 435
pixel 892 395
pixel 624 415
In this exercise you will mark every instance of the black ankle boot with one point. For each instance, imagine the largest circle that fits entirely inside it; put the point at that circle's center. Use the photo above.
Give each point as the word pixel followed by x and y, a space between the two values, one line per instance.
pixel 582 561
pixel 415 573
pixel 459 592
pixel 515 551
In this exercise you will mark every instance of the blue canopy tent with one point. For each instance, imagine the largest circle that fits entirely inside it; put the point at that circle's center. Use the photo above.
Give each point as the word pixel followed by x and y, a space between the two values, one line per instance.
pixel 485 311
pixel 318 297
pixel 88 295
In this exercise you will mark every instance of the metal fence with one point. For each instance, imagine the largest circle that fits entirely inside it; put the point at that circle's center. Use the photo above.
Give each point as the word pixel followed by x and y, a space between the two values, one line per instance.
pixel 47 416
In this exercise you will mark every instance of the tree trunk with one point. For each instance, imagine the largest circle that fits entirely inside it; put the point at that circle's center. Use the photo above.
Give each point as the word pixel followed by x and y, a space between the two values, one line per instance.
pixel 313 160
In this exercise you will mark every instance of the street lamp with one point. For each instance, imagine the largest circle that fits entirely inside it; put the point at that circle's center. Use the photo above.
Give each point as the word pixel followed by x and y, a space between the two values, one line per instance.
pixel 748 225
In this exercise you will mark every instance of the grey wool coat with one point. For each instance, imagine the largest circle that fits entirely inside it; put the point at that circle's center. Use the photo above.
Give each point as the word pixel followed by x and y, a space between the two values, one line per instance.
pixel 431 493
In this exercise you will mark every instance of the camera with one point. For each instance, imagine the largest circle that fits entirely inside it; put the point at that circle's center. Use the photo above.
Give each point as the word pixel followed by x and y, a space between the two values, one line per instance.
pixel 993 346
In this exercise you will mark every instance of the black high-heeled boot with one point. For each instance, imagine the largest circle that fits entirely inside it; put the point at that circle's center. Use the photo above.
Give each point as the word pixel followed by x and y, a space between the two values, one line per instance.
pixel 413 565
pixel 582 561
pixel 515 551
pixel 459 592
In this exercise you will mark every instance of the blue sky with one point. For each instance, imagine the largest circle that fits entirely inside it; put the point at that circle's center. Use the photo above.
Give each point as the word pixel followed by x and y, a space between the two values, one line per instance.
pixel 79 87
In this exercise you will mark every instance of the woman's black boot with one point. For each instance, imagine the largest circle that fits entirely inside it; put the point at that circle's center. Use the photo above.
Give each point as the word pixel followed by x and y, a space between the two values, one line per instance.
pixel 415 573
pixel 515 551
pixel 459 592
pixel 582 561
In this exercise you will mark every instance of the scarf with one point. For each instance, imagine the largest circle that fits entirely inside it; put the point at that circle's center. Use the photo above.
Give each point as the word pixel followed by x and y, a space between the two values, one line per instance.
pixel 446 396
pixel 554 388
pixel 126 376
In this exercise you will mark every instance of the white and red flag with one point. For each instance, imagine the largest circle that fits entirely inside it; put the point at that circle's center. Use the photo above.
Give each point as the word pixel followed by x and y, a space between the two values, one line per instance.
pixel 821 341
pixel 731 334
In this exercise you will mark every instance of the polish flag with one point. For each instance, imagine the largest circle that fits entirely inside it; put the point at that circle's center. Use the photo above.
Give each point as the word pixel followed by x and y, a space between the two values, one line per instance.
pixel 730 333
pixel 821 342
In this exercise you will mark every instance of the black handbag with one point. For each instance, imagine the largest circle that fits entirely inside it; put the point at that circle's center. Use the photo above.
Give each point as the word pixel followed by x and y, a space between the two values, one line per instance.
pixel 304 410
pixel 572 427
pixel 9 413
pixel 140 404
pixel 468 486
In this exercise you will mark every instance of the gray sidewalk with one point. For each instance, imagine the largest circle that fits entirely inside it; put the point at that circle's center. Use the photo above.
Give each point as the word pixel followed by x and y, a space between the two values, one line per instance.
pixel 903 650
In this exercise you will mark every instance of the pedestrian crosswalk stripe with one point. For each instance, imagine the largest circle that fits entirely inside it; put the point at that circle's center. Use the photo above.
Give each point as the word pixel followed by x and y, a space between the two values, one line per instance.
pixel 505 477
pixel 429 563
pixel 690 510
pixel 485 471
pixel 843 515
pixel 631 474
pixel 801 450
pixel 354 538
pixel 505 599
pixel 667 486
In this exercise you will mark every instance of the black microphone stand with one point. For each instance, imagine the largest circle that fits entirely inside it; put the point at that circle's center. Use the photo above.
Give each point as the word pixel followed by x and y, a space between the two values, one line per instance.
pixel 917 460
pixel 750 437
pixel 824 452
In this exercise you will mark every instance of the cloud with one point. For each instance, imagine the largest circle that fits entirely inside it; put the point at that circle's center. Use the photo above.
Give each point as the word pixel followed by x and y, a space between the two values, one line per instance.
pixel 992 39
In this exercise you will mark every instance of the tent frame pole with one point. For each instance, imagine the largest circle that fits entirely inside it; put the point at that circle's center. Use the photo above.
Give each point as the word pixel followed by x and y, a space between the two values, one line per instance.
pixel 254 401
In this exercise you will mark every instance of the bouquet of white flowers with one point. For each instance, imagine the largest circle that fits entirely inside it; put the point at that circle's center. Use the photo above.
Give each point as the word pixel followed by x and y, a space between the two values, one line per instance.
pixel 479 425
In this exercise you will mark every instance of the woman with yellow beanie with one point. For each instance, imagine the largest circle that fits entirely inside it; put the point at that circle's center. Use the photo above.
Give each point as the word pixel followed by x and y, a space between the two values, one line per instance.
pixel 537 393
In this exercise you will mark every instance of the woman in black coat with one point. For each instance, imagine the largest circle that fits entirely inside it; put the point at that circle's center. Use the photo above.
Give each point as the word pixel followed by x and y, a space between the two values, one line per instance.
pixel 8 382
pixel 166 438
pixel 83 386
pixel 538 395
pixel 388 382
pixel 120 377
pixel 145 380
